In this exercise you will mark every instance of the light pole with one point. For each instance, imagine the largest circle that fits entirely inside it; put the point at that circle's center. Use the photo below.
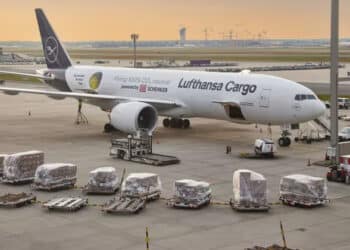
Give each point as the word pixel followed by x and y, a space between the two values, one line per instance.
pixel 334 79
pixel 134 37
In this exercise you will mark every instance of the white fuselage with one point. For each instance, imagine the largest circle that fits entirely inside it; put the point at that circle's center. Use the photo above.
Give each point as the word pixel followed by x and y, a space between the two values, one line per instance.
pixel 261 98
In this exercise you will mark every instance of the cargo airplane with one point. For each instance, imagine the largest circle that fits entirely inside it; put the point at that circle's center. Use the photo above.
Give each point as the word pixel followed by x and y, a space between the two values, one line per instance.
pixel 135 97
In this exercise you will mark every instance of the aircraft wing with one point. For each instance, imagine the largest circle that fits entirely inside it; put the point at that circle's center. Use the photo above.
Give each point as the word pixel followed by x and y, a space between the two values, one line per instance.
pixel 109 100
pixel 15 76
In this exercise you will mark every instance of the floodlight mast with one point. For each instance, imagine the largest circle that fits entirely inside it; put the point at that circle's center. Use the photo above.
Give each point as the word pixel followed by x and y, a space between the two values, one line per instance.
pixel 334 79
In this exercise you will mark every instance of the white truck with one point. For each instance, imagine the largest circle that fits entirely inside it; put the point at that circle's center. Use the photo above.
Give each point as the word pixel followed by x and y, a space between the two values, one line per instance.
pixel 264 147
pixel 343 103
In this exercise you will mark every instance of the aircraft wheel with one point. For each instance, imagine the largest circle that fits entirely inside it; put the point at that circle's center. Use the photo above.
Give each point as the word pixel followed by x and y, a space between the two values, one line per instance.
pixel 108 128
pixel 287 141
pixel 173 123
pixel 334 175
pixel 180 123
pixel 281 142
pixel 284 141
pixel 166 123
pixel 187 123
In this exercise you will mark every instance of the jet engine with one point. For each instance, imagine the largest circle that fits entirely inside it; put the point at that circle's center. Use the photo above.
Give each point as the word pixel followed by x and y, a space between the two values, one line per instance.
pixel 130 117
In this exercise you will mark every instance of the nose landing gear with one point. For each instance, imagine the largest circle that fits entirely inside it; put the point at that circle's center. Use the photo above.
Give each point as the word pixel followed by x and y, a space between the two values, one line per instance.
pixel 176 123
pixel 284 140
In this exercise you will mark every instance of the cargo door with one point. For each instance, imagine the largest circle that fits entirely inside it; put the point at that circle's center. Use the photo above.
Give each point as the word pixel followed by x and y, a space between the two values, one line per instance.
pixel 264 101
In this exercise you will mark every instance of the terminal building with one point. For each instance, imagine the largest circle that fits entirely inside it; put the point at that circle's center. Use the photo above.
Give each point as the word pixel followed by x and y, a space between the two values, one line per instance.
pixel 17 58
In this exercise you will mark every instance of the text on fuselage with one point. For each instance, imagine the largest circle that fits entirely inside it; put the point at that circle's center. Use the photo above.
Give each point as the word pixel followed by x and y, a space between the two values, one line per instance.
pixel 230 86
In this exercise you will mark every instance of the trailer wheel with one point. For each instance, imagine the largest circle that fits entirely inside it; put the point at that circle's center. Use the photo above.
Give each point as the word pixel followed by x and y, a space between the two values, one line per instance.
pixel 120 154
pixel 334 174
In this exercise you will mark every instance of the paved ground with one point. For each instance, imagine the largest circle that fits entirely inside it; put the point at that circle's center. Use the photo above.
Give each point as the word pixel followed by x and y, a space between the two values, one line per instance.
pixel 202 151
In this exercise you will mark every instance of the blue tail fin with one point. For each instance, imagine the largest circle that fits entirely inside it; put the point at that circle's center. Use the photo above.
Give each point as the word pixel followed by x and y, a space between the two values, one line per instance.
pixel 55 55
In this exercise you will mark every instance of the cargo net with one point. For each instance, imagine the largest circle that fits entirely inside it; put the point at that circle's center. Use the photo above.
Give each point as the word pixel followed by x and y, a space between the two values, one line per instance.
pixel 104 177
pixel 249 189
pixel 303 188
pixel 141 184
pixel 191 191
pixel 55 173
pixel 22 166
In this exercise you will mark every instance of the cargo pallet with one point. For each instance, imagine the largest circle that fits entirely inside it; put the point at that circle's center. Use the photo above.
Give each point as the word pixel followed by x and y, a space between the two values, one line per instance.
pixel 53 187
pixel 257 156
pixel 176 203
pixel 249 207
pixel 139 150
pixel 273 247
pixel 156 159
pixel 17 181
pixel 16 200
pixel 67 204
pixel 89 189
pixel 302 202
pixel 124 205
pixel 148 197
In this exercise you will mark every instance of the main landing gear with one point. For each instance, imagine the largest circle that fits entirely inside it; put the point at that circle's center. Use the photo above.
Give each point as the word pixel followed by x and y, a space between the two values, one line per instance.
pixel 81 118
pixel 176 123
pixel 108 128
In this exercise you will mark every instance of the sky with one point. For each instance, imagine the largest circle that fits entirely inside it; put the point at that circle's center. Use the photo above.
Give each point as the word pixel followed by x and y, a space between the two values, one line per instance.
pixel 86 20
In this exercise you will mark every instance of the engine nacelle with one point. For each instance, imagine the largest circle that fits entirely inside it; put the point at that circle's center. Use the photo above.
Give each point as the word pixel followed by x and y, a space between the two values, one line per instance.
pixel 130 117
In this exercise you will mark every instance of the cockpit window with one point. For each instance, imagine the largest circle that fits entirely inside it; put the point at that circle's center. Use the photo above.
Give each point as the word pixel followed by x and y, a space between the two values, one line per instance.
pixel 302 97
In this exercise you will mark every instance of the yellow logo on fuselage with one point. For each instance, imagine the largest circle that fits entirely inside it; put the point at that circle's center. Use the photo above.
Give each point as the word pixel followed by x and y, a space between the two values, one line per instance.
pixel 95 81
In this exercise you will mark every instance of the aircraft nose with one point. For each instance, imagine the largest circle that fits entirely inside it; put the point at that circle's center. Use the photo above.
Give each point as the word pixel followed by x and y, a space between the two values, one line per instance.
pixel 320 108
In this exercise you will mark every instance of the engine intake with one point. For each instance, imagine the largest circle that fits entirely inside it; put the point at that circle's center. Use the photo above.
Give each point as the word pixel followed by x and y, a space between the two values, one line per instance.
pixel 130 117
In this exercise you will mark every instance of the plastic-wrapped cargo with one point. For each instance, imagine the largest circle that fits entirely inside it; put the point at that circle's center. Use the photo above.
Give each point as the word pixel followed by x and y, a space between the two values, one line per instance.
pixel 142 185
pixel 249 189
pixel 22 166
pixel 55 175
pixel 303 190
pixel 103 180
pixel 2 161
pixel 192 191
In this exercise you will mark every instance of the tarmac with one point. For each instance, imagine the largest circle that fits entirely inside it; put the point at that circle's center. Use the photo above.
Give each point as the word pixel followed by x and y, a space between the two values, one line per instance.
pixel 37 122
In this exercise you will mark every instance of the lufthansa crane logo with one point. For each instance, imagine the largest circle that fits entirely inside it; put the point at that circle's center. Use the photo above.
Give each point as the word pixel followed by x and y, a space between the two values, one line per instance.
pixel 51 49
